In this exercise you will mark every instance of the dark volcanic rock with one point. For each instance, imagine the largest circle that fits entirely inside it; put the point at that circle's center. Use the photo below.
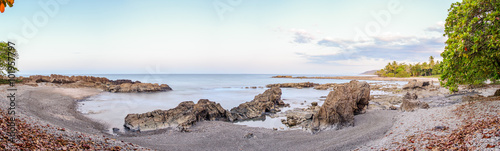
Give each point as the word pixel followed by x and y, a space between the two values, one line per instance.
pixel 181 117
pixel 341 105
pixel 187 113
pixel 265 102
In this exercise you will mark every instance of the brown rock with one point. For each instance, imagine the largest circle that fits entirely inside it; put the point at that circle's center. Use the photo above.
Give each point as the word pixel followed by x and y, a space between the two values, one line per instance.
pixel 265 102
pixel 105 84
pixel 314 104
pixel 410 96
pixel 165 87
pixel 497 93
pixel 293 85
pixel 326 86
pixel 270 95
pixel 414 84
pixel 410 103
pixel 341 105
pixel 424 105
pixel 281 76
pixel 181 117
pixel 392 107
pixel 32 84
pixel 251 110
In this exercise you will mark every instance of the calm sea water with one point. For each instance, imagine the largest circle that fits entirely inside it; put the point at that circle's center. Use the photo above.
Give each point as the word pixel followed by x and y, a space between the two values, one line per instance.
pixel 228 90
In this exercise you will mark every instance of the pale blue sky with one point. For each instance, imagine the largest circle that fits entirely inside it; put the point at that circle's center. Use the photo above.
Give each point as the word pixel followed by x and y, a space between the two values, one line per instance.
pixel 222 36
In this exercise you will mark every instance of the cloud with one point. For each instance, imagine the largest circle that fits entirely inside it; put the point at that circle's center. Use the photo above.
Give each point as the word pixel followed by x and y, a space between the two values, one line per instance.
pixel 388 46
pixel 301 36
pixel 438 27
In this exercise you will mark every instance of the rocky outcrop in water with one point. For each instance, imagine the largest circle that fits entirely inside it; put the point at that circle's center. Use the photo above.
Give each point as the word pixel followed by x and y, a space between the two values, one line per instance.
pixel 410 103
pixel 293 85
pixel 341 105
pixel 181 117
pixel 326 86
pixel 281 76
pixel 265 102
pixel 187 113
pixel 137 87
pixel 104 84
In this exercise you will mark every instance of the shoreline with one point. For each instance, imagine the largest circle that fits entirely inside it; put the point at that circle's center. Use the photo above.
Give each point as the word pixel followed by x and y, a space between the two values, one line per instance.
pixel 57 106
pixel 53 111
pixel 367 77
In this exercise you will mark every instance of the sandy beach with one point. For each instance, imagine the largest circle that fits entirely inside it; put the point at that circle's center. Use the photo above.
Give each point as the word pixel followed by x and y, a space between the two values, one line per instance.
pixel 376 129
pixel 56 106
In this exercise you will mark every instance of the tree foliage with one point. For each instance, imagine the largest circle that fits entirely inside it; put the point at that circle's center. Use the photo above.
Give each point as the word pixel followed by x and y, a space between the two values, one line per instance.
pixel 472 52
pixel 4 3
pixel 7 56
pixel 395 69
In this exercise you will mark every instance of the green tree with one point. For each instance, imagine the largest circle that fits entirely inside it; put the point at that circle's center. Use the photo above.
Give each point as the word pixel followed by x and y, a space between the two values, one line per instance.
pixel 431 61
pixel 472 52
pixel 7 57
pixel 425 68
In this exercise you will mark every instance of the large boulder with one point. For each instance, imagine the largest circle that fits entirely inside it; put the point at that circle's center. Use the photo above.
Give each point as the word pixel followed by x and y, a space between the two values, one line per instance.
pixel 270 95
pixel 265 102
pixel 414 84
pixel 251 110
pixel 410 103
pixel 341 105
pixel 181 117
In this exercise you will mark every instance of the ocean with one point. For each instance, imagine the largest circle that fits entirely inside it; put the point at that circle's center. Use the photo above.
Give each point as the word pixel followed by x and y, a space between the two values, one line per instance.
pixel 229 90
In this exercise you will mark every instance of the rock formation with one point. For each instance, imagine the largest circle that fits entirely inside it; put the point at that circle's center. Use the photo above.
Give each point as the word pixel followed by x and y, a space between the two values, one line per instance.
pixel 181 117
pixel 341 105
pixel 281 76
pixel 410 103
pixel 293 85
pixel 97 82
pixel 326 86
pixel 187 113
pixel 265 102
pixel 414 84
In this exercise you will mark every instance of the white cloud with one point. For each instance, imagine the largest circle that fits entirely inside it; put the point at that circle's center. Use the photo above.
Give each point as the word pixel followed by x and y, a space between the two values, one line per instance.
pixel 381 48
pixel 301 36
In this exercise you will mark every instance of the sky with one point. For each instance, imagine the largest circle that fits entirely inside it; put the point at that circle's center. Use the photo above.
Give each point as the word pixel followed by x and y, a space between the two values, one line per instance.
pixel 222 36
